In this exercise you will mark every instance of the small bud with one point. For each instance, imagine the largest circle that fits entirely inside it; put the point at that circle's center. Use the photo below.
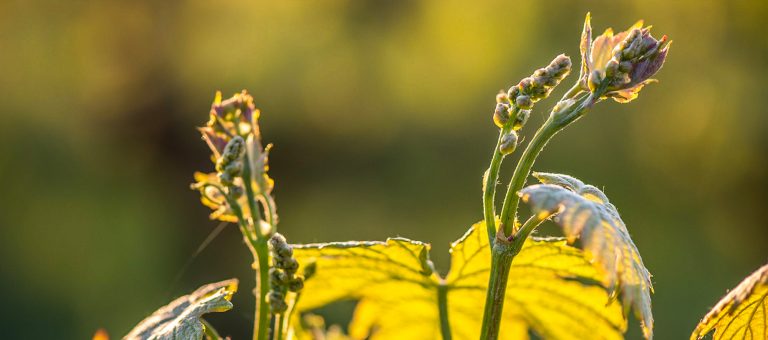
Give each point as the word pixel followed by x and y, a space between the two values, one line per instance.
pixel 521 119
pixel 309 270
pixel 563 62
pixel 276 302
pixel 501 114
pixel 540 84
pixel 290 265
pixel 551 82
pixel 234 149
pixel 525 85
pixel 277 277
pixel 280 247
pixel 508 143
pixel 561 107
pixel 513 92
pixel 502 98
pixel 594 80
pixel 296 284
pixel 611 68
pixel 524 102
pixel 230 164
pixel 625 66
pixel 277 240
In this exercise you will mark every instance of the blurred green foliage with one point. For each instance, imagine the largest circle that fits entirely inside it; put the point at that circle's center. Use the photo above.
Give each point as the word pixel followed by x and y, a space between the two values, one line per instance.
pixel 381 116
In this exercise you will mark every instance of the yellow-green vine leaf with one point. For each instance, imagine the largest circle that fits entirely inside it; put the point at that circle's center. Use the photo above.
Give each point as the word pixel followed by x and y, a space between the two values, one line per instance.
pixel 742 313
pixel 553 290
pixel 585 213
pixel 181 319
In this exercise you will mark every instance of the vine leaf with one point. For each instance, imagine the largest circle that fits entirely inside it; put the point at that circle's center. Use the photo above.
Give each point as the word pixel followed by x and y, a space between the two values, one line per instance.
pixel 586 213
pixel 181 319
pixel 740 313
pixel 553 290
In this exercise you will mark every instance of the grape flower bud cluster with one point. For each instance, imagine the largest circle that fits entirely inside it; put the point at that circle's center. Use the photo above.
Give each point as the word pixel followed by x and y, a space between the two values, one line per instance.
pixel 516 104
pixel 230 165
pixel 282 276
pixel 625 62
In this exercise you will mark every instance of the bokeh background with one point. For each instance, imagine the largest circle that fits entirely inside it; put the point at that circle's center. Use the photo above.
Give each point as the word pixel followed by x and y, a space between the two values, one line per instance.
pixel 381 116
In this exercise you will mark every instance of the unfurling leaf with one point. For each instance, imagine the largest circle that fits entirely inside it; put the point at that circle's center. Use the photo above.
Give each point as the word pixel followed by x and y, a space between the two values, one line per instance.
pixel 553 290
pixel 584 212
pixel 181 319
pixel 742 313
pixel 211 195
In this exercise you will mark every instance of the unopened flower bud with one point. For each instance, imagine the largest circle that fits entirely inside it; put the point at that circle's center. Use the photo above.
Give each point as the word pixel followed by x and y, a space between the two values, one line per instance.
pixel 513 92
pixel 594 80
pixel 502 98
pixel 625 66
pixel 280 247
pixel 277 277
pixel 521 119
pixel 524 102
pixel 562 107
pixel 539 85
pixel 508 143
pixel 234 149
pixel 309 270
pixel 611 68
pixel 277 302
pixel 289 265
pixel 230 164
pixel 525 85
pixel 501 114
pixel 296 284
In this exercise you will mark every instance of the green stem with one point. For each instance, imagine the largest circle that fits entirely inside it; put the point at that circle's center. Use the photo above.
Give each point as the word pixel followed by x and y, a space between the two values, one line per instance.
pixel 248 236
pixel 247 181
pixel 262 313
pixel 260 251
pixel 501 262
pixel 442 302
pixel 261 326
pixel 285 320
pixel 492 177
pixel 489 189
pixel 552 126
pixel 504 251
pixel 505 248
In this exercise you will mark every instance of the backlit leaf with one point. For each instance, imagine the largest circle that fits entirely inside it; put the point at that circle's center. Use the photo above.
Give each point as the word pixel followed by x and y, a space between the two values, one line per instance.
pixel 181 319
pixel 553 290
pixel 742 313
pixel 585 213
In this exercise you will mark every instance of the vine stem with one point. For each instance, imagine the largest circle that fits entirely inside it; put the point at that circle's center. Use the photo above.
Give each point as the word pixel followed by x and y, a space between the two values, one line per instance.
pixel 442 301
pixel 552 126
pixel 262 313
pixel 507 243
pixel 261 256
pixel 492 177
pixel 261 326
pixel 503 253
